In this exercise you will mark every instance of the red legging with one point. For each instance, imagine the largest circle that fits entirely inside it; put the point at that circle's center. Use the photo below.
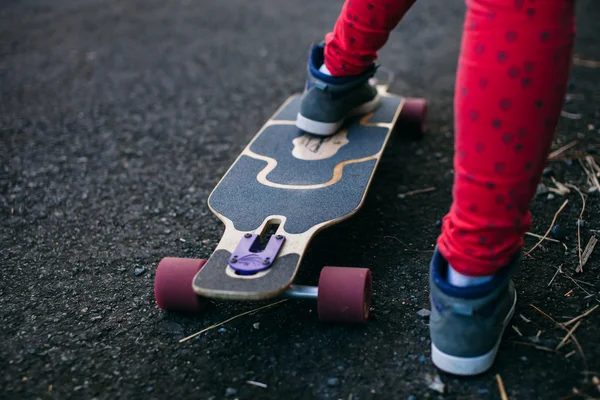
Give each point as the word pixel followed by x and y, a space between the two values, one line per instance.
pixel 512 76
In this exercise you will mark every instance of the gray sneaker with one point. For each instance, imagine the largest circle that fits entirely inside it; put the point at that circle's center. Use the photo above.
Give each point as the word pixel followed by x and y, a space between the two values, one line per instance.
pixel 466 324
pixel 329 100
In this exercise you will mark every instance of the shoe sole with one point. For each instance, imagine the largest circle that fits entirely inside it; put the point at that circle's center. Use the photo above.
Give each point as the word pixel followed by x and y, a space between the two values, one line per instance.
pixel 329 128
pixel 466 366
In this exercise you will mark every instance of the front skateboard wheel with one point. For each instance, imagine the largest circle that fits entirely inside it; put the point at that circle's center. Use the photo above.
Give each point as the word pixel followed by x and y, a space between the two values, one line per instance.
pixel 344 295
pixel 413 114
pixel 173 285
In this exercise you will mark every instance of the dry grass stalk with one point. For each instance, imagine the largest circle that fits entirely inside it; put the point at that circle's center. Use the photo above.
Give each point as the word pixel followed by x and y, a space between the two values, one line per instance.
pixel 547 238
pixel 587 253
pixel 561 150
pixel 418 191
pixel 501 387
pixel 549 229
pixel 561 189
pixel 568 335
pixel 569 115
pixel 230 319
pixel 591 170
pixel 548 349
pixel 585 314
pixel 559 269
pixel 562 326
pixel 580 62
pixel 516 329
pixel 579 251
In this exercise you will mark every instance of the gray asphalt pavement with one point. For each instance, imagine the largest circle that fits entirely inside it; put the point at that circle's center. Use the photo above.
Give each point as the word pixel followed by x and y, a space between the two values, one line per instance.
pixel 117 118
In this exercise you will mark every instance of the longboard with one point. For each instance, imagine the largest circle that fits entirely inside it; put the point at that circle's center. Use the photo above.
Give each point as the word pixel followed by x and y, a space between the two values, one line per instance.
pixel 284 188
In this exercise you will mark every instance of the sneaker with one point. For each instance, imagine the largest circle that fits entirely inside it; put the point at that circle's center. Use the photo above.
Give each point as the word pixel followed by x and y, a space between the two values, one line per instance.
pixel 329 100
pixel 467 323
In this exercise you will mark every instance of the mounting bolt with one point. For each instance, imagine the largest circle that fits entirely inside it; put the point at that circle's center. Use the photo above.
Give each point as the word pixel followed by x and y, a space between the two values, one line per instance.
pixel 248 235
pixel 234 259
pixel 266 261
pixel 279 237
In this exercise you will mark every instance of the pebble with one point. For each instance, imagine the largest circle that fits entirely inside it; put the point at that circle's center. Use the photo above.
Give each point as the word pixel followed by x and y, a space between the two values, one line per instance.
pixel 139 271
pixel 222 330
pixel 593 190
pixel 541 189
pixel 230 392
pixel 256 325
pixel 424 313
pixel 569 163
pixel 551 196
pixel 581 223
pixel 333 382
pixel 558 232
pixel 438 223
pixel 422 359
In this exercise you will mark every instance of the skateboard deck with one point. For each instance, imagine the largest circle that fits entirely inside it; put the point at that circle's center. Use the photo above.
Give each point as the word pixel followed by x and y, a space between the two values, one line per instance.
pixel 283 189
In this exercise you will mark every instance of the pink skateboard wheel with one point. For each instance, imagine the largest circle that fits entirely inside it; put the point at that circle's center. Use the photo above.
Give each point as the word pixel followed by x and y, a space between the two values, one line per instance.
pixel 344 295
pixel 173 285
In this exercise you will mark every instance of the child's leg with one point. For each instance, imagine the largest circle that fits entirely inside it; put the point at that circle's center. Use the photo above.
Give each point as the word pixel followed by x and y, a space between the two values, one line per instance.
pixel 513 71
pixel 511 82
pixel 361 30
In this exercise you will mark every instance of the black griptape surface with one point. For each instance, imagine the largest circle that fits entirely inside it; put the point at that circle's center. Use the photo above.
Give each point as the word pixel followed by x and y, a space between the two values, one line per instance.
pixel 211 276
pixel 246 202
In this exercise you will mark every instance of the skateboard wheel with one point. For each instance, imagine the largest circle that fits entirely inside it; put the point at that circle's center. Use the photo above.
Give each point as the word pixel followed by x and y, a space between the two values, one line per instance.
pixel 173 285
pixel 344 294
pixel 413 114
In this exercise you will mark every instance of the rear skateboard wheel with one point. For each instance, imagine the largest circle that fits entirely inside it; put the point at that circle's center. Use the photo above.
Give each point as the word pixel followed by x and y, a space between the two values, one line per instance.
pixel 344 295
pixel 173 285
pixel 413 115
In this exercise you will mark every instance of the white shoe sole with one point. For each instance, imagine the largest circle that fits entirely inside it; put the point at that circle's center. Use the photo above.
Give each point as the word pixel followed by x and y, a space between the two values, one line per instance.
pixel 329 128
pixel 466 366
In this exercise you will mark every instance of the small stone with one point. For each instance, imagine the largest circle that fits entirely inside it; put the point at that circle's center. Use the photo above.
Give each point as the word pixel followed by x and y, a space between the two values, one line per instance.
pixel 424 313
pixel 149 388
pixel 256 325
pixel 541 189
pixel 222 330
pixel 569 163
pixel 230 392
pixel 525 359
pixel 551 196
pixel 581 223
pixel 438 223
pixel 411 397
pixel 333 382
pixel 593 191
pixel 483 391
pixel 139 271
pixel 591 127
pixel 422 359
pixel 548 171
pixel 558 232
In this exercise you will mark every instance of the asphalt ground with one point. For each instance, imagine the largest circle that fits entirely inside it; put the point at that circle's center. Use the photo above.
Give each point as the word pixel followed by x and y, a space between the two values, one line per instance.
pixel 117 118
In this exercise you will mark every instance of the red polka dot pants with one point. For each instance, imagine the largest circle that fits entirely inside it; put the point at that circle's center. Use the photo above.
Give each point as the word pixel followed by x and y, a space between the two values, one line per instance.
pixel 512 76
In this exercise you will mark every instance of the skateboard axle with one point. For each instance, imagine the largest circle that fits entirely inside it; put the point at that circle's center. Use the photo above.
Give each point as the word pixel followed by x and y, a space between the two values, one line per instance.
pixel 301 292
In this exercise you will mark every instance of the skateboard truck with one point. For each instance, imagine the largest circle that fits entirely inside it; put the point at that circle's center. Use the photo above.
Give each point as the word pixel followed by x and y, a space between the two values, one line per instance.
pixel 248 259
